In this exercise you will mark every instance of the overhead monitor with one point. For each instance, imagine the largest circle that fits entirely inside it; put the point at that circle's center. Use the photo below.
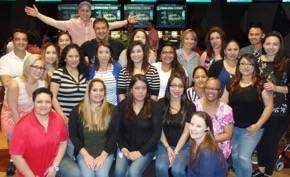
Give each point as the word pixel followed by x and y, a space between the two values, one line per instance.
pixel 48 0
pixel 144 13
pixel 143 1
pixel 198 1
pixel 104 0
pixel 111 12
pixel 67 11
pixel 239 1
pixel 171 16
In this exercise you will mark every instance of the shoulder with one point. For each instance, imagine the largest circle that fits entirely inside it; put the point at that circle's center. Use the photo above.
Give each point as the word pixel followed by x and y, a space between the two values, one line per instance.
pixel 14 84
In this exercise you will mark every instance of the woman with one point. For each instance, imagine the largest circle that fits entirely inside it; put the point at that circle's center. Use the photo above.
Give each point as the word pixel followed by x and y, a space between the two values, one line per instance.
pixel 167 65
pixel 206 160
pixel 63 39
pixel 139 130
pixel 93 131
pixel 138 64
pixel 199 77
pixel 50 55
pixel 138 35
pixel 215 41
pixel 176 113
pixel 252 106
pixel 17 101
pixel 107 70
pixel 221 114
pixel 275 68
pixel 69 81
pixel 39 139
pixel 186 55
pixel 225 69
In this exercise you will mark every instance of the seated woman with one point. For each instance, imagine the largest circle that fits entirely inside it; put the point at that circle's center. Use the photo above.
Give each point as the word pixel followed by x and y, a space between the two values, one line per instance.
pixel 92 130
pixel 39 139
pixel 206 159
pixel 221 114
pixel 176 111
pixel 139 130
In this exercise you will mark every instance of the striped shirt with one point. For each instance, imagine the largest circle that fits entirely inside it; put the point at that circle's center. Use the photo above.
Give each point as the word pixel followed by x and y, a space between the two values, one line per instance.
pixel 70 92
pixel 151 76
pixel 111 84
pixel 192 95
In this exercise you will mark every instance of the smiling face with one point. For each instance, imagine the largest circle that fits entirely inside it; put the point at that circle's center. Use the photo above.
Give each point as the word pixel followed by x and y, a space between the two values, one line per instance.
pixel 20 41
pixel 72 58
pixel 42 104
pixel 215 40
pixel 97 93
pixel 101 30
pixel 140 36
pixel 199 78
pixel 197 128
pixel 189 41
pixel 63 41
pixel 85 12
pixel 212 90
pixel 104 54
pixel 255 35
pixel 176 88
pixel 167 55
pixel 137 54
pixel 50 55
pixel 232 51
pixel 139 91
pixel 246 68
pixel 36 70
pixel 272 45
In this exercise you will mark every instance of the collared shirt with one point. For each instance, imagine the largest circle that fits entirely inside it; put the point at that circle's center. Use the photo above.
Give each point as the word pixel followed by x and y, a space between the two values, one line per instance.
pixel 250 49
pixel 36 145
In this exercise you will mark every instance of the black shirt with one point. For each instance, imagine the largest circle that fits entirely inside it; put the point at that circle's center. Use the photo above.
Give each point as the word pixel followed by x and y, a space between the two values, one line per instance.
pixel 89 49
pixel 138 133
pixel 173 125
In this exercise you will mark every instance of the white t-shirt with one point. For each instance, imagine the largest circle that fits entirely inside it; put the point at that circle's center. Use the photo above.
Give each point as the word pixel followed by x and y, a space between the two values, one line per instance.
pixel 164 76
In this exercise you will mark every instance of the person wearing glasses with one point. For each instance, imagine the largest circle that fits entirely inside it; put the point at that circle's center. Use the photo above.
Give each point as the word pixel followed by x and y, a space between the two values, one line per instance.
pixel 252 106
pixel 176 112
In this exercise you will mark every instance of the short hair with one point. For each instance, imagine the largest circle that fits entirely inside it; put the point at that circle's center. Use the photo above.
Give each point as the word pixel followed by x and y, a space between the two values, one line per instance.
pixel 256 25
pixel 101 20
pixel 19 30
pixel 39 91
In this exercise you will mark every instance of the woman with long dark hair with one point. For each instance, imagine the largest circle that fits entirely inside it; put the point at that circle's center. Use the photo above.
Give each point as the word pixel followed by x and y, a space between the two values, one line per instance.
pixel 176 113
pixel 206 159
pixel 252 106
pixel 139 129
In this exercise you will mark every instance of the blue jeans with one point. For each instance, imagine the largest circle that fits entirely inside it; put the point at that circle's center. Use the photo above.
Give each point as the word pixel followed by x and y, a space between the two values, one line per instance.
pixel 102 172
pixel 135 168
pixel 243 146
pixel 179 164
pixel 69 168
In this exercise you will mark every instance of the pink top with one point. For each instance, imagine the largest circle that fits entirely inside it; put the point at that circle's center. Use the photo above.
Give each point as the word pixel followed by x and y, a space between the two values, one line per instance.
pixel 79 31
pixel 153 38
pixel 223 117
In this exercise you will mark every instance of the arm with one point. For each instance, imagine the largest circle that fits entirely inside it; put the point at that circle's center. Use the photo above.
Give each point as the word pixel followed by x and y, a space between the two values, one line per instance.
pixel 123 84
pixel 110 145
pixel 227 135
pixel 183 139
pixel 202 59
pixel 6 79
pixel 33 11
pixel 54 89
pixel 120 24
pixel 225 97
pixel 12 99
pixel 154 83
pixel 169 150
pixel 74 125
pixel 22 166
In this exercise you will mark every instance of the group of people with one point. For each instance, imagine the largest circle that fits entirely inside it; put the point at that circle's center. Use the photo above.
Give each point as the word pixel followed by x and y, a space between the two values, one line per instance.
pixel 87 102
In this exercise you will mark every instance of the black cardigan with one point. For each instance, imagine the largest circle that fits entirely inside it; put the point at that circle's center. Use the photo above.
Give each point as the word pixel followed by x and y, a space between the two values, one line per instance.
pixel 216 68
pixel 76 132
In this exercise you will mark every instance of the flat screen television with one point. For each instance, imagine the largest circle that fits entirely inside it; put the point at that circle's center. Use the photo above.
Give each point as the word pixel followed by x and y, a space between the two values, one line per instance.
pixel 67 11
pixel 111 12
pixel 144 12
pixel 171 16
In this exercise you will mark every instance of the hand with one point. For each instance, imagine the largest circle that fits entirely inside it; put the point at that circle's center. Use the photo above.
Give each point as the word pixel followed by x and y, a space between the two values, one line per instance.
pixel 134 155
pixel 89 160
pixel 50 172
pixel 132 19
pixel 126 152
pixel 31 11
pixel 269 86
pixel 100 160
pixel 171 155
pixel 252 128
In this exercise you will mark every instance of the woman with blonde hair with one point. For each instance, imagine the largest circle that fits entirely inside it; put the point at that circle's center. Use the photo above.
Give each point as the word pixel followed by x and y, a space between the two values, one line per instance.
pixel 92 129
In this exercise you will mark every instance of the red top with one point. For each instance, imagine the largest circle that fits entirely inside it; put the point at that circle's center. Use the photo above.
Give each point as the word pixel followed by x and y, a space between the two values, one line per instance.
pixel 36 146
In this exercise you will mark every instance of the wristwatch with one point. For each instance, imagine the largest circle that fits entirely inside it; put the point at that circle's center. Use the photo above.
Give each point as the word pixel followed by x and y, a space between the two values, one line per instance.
pixel 56 168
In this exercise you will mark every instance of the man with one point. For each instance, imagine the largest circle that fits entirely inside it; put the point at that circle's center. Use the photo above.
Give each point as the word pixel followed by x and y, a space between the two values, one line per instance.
pixel 255 36
pixel 153 36
pixel 101 27
pixel 11 64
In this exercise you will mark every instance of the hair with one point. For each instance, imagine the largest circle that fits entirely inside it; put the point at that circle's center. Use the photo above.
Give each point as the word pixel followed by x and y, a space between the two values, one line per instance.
pixel 209 48
pixel 256 79
pixel 255 25
pixel 219 84
pixel 19 30
pixel 196 69
pixel 230 41
pixel 208 142
pixel 63 33
pixel 82 67
pixel 185 32
pixel 145 111
pixel 147 45
pixel 130 63
pixel 280 61
pixel 30 60
pixel 175 65
pixel 44 48
pixel 97 61
pixel 184 103
pixel 101 20
pixel 40 90
pixel 102 117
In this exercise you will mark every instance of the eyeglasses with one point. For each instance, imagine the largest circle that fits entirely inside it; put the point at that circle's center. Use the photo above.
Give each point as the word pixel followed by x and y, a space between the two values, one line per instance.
pixel 246 64
pixel 37 67
pixel 177 86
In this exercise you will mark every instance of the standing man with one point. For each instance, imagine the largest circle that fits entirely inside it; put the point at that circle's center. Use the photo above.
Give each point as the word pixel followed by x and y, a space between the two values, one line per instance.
pixel 153 36
pixel 101 27
pixel 255 36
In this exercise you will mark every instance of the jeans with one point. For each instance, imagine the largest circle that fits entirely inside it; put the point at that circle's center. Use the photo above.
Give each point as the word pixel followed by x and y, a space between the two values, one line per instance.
pixel 69 168
pixel 179 164
pixel 102 172
pixel 136 168
pixel 244 144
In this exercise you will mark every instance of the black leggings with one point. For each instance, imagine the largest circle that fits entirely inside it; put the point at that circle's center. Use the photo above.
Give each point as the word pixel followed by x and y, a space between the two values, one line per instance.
pixel 268 145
